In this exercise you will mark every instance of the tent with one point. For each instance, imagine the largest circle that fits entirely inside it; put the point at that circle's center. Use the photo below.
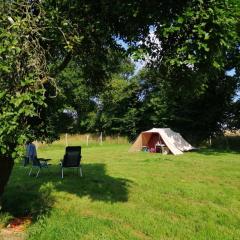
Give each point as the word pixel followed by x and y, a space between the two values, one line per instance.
pixel 173 140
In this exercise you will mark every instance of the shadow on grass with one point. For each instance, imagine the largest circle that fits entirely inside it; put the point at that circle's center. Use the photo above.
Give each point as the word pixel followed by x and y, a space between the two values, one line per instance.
pixel 158 160
pixel 95 184
pixel 216 151
pixel 30 196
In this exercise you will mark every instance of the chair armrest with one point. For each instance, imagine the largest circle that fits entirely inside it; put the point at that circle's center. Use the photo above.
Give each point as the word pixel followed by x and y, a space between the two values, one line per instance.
pixel 44 162
pixel 44 159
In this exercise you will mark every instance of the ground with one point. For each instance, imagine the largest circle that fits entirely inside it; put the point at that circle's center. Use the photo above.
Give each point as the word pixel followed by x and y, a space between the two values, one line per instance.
pixel 126 195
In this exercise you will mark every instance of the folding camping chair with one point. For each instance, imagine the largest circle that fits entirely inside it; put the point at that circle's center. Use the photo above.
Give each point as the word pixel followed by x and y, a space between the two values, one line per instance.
pixel 38 163
pixel 72 159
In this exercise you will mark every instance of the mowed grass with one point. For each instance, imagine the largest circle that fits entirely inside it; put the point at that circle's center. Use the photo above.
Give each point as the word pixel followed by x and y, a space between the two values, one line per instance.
pixel 126 195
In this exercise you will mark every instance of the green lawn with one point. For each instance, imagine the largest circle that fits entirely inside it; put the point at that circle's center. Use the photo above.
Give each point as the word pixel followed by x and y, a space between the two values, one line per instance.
pixel 130 196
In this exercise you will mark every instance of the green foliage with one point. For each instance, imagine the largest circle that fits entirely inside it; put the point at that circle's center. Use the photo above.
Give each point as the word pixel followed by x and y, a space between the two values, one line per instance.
pixel 38 40
pixel 117 108
pixel 198 47
pixel 75 98
pixel 232 116
pixel 204 32
pixel 21 91
pixel 110 110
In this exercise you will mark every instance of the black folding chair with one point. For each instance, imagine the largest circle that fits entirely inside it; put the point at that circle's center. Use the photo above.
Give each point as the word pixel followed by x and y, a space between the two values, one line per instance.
pixel 72 159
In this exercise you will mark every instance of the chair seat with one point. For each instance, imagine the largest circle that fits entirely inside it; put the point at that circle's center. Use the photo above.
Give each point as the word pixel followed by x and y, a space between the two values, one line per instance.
pixel 39 163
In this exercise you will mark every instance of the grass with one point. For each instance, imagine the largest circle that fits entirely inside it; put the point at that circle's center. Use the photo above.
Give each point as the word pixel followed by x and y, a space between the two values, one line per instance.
pixel 130 196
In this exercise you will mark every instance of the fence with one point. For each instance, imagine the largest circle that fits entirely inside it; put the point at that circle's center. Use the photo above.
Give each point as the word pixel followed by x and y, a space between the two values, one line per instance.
pixel 90 139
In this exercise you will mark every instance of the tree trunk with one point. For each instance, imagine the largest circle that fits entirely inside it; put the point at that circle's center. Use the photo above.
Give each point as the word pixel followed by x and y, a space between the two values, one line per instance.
pixel 6 166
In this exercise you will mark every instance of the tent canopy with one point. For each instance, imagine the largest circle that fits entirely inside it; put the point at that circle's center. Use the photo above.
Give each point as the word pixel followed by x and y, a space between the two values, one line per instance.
pixel 173 140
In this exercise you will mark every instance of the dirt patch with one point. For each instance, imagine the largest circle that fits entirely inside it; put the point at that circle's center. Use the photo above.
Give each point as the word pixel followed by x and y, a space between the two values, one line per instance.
pixel 15 230
pixel 7 234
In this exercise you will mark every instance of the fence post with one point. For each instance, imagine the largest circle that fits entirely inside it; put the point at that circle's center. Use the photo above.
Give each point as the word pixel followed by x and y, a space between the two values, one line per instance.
pixel 36 145
pixel 100 138
pixel 87 139
pixel 66 139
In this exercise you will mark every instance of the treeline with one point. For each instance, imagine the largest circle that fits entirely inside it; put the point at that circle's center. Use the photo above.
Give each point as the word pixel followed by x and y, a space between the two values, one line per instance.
pixel 131 102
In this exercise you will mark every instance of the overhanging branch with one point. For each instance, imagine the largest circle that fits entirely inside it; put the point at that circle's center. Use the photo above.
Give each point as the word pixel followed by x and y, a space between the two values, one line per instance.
pixel 61 67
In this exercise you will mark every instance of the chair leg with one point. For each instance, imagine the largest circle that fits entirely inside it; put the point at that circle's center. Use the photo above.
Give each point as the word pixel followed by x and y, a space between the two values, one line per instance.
pixel 38 172
pixel 29 174
pixel 80 171
pixel 62 172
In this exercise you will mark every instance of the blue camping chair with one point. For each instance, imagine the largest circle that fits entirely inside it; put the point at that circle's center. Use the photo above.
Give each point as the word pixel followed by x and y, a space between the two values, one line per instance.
pixel 38 163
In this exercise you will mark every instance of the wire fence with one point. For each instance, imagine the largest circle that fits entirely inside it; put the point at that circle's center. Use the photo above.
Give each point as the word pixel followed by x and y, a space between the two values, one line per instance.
pixel 88 140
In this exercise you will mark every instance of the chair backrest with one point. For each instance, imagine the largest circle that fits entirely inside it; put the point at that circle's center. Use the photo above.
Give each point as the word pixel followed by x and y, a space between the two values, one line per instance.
pixel 36 162
pixel 25 161
pixel 72 156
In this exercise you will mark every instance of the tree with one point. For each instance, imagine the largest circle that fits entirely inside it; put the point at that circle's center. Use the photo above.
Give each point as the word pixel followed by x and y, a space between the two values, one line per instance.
pixel 117 103
pixel 23 72
pixel 192 56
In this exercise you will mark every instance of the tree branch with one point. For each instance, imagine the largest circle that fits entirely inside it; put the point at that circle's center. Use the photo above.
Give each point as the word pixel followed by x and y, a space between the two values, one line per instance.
pixel 64 64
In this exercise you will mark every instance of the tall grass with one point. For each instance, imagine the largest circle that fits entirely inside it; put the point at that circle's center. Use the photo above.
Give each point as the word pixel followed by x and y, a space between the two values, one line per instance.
pixel 87 140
